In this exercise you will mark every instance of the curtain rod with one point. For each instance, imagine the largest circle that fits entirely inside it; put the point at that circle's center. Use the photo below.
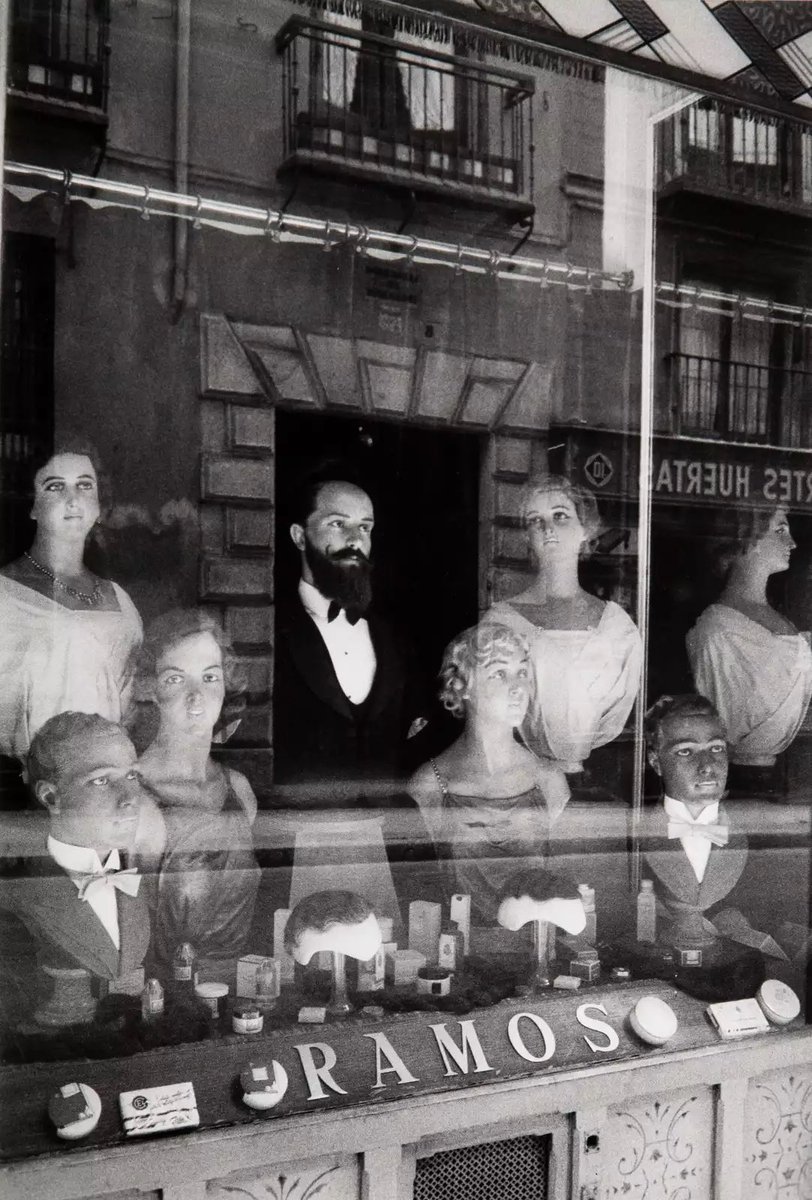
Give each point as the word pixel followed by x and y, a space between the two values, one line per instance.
pixel 733 305
pixel 26 182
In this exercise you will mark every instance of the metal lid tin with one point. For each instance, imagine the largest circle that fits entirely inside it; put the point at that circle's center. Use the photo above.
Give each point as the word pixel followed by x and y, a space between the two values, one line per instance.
pixel 653 1020
pixel 778 1002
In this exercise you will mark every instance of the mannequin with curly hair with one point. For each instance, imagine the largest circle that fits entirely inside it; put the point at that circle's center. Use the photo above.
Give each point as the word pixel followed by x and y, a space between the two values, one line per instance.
pixel 208 875
pixel 586 652
pixel 487 798
pixel 66 633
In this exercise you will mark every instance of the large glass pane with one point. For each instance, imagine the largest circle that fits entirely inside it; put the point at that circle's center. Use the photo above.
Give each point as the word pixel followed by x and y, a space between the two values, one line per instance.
pixel 384 400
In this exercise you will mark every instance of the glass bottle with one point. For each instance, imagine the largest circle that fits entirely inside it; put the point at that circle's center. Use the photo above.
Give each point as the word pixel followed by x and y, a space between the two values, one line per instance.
pixel 152 1000
pixel 267 984
pixel 646 912
pixel 587 895
pixel 183 964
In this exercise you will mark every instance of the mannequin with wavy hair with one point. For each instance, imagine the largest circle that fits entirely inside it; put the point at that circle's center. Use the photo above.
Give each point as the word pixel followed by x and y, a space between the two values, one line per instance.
pixel 586 652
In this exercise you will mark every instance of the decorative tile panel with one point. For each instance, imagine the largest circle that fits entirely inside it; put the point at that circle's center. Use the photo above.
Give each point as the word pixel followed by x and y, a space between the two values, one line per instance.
pixel 249 626
pixel 282 363
pixel 250 531
pixel 251 430
pixel 385 373
pixel 778 1137
pixel 224 368
pixel 331 1180
pixel 236 479
pixel 232 579
pixel 660 1149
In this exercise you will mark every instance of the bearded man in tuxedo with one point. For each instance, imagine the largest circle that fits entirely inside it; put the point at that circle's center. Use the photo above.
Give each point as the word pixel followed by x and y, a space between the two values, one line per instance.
pixel 344 698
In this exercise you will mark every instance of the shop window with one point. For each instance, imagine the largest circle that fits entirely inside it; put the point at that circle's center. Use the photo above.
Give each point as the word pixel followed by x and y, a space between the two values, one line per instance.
pixel 725 379
pixel 715 148
pixel 754 141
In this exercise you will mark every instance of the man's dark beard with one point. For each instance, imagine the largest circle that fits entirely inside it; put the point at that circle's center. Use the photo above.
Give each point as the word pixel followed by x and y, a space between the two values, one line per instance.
pixel 350 586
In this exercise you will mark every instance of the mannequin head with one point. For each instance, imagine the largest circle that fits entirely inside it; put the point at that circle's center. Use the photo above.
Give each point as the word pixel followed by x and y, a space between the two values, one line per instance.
pixel 686 746
pixel 82 769
pixel 561 519
pixel 761 540
pixel 486 670
pixel 187 668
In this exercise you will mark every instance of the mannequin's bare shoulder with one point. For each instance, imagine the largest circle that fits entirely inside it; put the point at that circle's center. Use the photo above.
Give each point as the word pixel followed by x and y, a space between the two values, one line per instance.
pixel 422 785
pixel 244 792
pixel 552 782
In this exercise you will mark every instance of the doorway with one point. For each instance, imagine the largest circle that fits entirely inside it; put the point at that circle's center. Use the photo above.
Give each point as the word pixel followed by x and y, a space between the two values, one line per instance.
pixel 424 484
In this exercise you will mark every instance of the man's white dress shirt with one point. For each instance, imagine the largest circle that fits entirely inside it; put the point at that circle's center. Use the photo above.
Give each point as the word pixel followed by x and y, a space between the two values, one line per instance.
pixel 696 848
pixel 80 861
pixel 349 646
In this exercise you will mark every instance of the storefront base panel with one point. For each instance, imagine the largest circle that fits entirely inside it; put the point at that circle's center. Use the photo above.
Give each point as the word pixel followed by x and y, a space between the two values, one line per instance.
pixel 730 1121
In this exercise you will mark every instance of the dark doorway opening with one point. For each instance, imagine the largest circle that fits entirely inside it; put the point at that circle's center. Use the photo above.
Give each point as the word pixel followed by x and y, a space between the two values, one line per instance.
pixel 424 484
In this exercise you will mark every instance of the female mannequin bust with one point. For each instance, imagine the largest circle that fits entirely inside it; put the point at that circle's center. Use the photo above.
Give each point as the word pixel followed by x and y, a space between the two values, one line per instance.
pixel 586 653
pixel 487 798
pixel 745 656
pixel 208 873
pixel 66 634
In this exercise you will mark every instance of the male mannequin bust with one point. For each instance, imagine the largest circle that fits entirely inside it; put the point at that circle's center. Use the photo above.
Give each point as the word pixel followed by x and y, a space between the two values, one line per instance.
pixel 695 856
pixel 77 906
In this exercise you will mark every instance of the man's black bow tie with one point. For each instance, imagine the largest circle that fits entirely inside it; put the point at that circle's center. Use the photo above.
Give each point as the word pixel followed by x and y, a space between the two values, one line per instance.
pixel 353 614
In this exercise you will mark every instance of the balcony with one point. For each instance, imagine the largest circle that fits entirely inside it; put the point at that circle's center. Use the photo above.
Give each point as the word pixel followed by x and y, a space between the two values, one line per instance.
pixel 370 108
pixel 717 149
pixel 740 402
pixel 57 82
pixel 59 51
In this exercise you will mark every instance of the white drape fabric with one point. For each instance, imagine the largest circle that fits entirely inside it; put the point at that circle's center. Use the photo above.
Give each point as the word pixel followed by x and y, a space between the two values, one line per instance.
pixel 760 682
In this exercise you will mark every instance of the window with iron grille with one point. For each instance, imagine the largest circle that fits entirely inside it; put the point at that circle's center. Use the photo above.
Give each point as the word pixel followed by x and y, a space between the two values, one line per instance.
pixel 59 49
pixel 514 1169
pixel 739 376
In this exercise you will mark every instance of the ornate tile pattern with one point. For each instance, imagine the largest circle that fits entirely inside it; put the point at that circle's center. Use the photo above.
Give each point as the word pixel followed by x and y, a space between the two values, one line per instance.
pixel 778 1138
pixel 660 1149
pixel 315 1180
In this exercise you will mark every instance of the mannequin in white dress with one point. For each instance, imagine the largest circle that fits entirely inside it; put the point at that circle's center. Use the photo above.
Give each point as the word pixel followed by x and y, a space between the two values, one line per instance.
pixel 586 652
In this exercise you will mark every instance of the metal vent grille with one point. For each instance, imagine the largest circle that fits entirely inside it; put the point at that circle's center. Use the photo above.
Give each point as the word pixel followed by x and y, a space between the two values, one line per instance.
pixel 515 1169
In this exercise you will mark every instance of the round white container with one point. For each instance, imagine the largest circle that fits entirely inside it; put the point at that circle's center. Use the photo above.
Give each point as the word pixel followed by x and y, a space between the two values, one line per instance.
pixel 653 1020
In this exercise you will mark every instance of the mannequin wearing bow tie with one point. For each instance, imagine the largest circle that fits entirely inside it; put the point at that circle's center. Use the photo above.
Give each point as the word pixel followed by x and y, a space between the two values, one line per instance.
pixel 695 856
pixel 80 906
pixel 341 687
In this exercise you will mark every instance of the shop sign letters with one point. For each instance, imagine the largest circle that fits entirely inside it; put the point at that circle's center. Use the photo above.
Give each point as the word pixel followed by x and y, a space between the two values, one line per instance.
pixel 357 1061
pixel 710 473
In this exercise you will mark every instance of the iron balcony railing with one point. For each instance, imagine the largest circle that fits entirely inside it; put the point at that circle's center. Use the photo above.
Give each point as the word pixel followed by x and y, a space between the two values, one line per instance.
pixel 740 402
pixel 395 110
pixel 60 50
pixel 718 148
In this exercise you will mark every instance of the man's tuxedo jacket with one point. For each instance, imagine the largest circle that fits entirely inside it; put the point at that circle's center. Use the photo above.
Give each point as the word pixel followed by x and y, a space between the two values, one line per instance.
pixel 674 876
pixel 41 915
pixel 319 735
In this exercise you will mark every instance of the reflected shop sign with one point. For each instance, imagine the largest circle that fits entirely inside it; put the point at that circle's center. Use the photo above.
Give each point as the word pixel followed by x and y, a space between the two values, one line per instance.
pixel 686 471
